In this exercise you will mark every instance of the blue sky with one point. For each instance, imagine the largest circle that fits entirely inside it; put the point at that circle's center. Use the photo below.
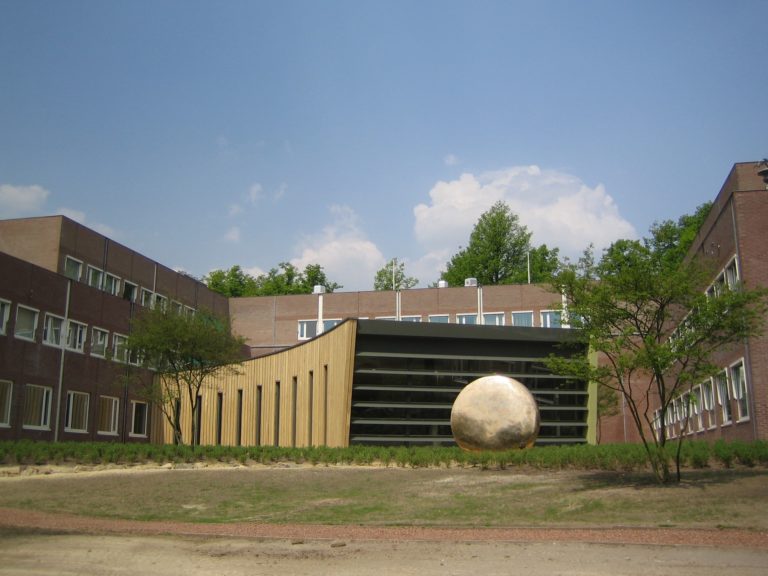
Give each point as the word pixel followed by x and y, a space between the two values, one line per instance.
pixel 208 134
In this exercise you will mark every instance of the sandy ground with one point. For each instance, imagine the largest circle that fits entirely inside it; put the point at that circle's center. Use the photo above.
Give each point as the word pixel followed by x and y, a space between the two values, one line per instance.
pixel 42 544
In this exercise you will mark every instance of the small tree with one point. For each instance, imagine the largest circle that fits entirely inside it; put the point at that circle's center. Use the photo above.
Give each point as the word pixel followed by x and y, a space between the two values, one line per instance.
pixel 644 310
pixel 231 283
pixel 184 351
pixel 392 277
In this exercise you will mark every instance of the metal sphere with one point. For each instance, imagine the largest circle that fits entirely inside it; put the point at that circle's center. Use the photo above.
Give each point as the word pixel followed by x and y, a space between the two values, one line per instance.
pixel 495 413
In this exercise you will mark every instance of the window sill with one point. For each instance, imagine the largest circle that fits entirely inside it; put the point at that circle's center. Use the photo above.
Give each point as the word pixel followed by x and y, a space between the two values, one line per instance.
pixel 30 427
pixel 131 435
pixel 102 433
pixel 73 431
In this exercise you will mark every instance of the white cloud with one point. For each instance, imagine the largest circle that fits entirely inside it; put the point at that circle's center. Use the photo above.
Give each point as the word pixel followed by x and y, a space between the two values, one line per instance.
pixel 450 160
pixel 558 208
pixel 232 235
pixel 235 209
pixel 17 201
pixel 255 193
pixel 280 192
pixel 343 250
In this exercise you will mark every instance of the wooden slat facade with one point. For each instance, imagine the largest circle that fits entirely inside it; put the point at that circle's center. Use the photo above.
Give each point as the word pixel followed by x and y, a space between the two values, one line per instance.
pixel 301 396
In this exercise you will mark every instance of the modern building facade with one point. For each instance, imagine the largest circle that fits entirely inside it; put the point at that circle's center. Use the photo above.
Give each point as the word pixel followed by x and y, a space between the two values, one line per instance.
pixel 67 295
pixel 339 368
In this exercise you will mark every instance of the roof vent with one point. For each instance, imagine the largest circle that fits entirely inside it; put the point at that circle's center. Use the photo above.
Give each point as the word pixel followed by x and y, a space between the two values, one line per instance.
pixel 470 282
pixel 442 283
pixel 763 171
pixel 318 289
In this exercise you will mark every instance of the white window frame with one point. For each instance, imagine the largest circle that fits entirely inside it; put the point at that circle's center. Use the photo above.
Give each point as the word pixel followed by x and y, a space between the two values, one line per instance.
pixel 329 323
pixel 160 302
pixel 5 314
pixel 721 384
pixel 53 330
pixel 147 298
pixel 708 402
pixel 45 408
pixel 385 318
pixel 177 307
pixel 36 316
pixel 111 284
pixel 100 332
pixel 545 318
pixel 410 318
pixel 79 264
pixel 119 352
pixel 113 417
pixel 519 313
pixel 134 290
pixel 439 318
pixel 463 318
pixel 698 408
pixel 80 332
pixel 189 311
pixel 94 277
pixel 739 389
pixel 143 433
pixel 307 329
pixel 495 317
pixel 6 397
pixel 72 395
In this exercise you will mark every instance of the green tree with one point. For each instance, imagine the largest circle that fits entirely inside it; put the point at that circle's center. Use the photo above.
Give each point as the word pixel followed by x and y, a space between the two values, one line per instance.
pixel 644 310
pixel 284 279
pixel 231 283
pixel 392 277
pixel 184 350
pixel 500 252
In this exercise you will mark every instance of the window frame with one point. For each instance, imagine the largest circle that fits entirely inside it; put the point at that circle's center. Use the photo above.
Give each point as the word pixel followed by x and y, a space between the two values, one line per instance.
pixel 47 340
pixel 114 416
pixel 144 425
pixel 147 298
pixel 5 315
pixel 79 264
pixel 722 386
pixel 105 333
pixel 112 284
pixel 160 302
pixel 438 318
pixel 708 402
pixel 549 314
pixel 68 414
pixel 528 313
pixel 740 394
pixel 6 400
pixel 80 345
pixel 304 333
pixel 464 316
pixel 411 318
pixel 495 316
pixel 90 272
pixel 45 408
pixel 117 350
pixel 130 291
pixel 34 323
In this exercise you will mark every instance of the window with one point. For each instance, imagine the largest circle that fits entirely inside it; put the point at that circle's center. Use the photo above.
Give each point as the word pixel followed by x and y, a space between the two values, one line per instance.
pixel 6 390
pixel 739 386
pixel 73 268
pixel 160 302
pixel 76 333
pixel 94 277
pixel 111 284
pixel 5 312
pixel 37 407
pixel 328 324
pixel 129 291
pixel 99 340
pixel 551 319
pixel 52 330
pixel 493 318
pixel 466 318
pixel 727 279
pixel 724 396
pixel 307 329
pixel 697 421
pixel 139 418
pixel 147 299
pixel 410 318
pixel 189 311
pixel 522 319
pixel 708 403
pixel 177 307
pixel 26 323
pixel 385 318
pixel 119 351
pixel 439 318
pixel 77 412
pixel 108 412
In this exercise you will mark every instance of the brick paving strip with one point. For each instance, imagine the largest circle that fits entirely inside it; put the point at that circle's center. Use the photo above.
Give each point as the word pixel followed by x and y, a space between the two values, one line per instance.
pixel 728 538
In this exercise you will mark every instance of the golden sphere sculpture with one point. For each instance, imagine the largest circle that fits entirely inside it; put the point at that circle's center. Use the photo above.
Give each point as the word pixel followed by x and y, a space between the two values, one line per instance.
pixel 495 413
